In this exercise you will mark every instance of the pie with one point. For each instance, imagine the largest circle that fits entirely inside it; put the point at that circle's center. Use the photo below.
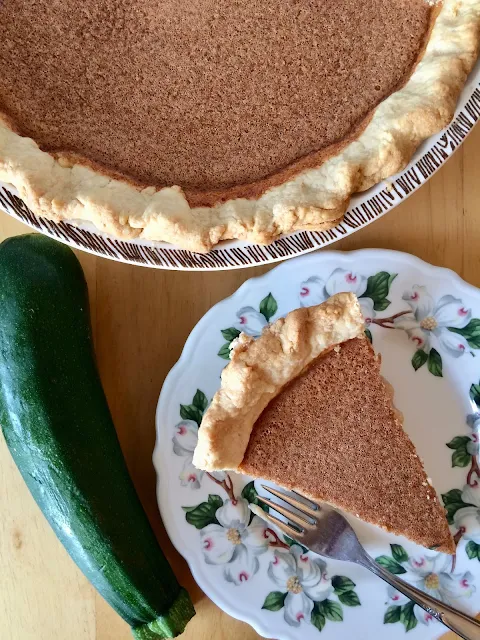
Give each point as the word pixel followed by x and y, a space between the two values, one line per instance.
pixel 305 406
pixel 197 121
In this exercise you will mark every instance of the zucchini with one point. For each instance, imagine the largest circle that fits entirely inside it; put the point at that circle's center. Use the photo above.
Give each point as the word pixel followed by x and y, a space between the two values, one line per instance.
pixel 59 430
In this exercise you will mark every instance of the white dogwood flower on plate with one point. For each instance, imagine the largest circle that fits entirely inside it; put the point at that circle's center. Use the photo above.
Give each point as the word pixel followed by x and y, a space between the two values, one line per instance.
pixel 314 290
pixel 432 575
pixel 190 476
pixel 303 578
pixel 344 280
pixel 185 438
pixel 396 598
pixel 184 442
pixel 467 519
pixel 473 421
pixel 234 542
pixel 250 321
pixel 430 319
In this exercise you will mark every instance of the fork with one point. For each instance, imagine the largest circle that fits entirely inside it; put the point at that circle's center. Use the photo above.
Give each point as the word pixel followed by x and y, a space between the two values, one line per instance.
pixel 325 531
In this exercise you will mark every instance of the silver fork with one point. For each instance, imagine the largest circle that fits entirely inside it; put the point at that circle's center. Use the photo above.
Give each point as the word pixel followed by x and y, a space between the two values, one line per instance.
pixel 326 532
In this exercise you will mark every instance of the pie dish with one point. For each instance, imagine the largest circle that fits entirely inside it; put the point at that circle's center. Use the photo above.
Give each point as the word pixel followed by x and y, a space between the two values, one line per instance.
pixel 287 399
pixel 208 130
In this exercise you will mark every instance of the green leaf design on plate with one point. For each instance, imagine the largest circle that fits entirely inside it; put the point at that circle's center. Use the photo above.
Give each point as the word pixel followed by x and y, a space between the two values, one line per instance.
pixel 188 509
pixel 473 550
pixel 378 288
pixel 214 500
pixel 349 599
pixel 331 610
pixel 407 617
pixel 317 618
pixel 200 400
pixel 381 305
pixel 341 584
pixel 225 351
pixel 392 614
pixel 461 457
pixel 458 442
pixel 390 564
pixel 250 494
pixel 435 363
pixel 419 358
pixel 452 501
pixel 454 495
pixel 191 412
pixel 268 307
pixel 274 601
pixel 471 333
pixel 368 333
pixel 475 394
pixel 398 552
pixel 203 514
pixel 230 334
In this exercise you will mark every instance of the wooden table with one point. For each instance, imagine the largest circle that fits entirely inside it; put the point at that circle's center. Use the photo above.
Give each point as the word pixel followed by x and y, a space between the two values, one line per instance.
pixel 141 318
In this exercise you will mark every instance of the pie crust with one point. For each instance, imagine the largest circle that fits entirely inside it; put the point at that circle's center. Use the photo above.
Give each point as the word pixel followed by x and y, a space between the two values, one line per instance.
pixel 61 187
pixel 259 369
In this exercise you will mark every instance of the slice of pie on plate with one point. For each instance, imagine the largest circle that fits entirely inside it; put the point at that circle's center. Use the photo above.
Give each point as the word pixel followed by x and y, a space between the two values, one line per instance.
pixel 305 406
pixel 196 121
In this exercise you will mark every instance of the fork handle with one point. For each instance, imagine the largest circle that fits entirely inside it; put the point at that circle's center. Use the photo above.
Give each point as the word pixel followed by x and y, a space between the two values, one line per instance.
pixel 465 626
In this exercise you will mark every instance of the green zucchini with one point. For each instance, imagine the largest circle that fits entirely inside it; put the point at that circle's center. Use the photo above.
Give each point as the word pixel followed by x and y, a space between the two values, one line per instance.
pixel 59 430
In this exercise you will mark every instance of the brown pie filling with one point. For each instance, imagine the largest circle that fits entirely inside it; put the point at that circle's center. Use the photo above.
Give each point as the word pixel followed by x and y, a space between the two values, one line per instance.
pixel 221 97
pixel 334 434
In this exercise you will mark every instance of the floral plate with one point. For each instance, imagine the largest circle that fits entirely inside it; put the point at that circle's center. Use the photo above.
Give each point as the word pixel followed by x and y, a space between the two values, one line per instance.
pixel 426 323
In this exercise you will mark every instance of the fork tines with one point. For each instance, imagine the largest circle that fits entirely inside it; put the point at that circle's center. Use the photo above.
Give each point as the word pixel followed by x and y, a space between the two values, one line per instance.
pixel 301 522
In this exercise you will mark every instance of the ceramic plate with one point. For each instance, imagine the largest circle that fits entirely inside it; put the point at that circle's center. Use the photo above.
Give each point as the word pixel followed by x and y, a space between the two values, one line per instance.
pixel 425 321
pixel 364 209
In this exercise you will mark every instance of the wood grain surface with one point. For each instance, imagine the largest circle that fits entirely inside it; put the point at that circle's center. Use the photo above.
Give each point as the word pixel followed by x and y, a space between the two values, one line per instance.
pixel 141 319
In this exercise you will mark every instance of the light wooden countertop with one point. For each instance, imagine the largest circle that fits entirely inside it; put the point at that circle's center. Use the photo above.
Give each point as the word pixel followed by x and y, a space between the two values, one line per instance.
pixel 141 319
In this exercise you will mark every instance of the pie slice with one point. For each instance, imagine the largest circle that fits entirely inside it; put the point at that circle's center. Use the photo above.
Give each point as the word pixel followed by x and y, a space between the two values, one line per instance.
pixel 305 406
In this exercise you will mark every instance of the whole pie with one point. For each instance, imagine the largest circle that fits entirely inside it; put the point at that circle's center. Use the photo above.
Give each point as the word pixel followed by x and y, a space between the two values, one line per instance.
pixel 305 406
pixel 198 121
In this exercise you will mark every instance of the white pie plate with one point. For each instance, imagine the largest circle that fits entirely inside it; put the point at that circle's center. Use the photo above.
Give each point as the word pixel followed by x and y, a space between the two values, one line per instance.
pixel 437 409
pixel 364 209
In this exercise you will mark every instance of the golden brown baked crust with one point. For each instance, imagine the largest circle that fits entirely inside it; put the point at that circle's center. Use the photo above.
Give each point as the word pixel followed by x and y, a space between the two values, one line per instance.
pixel 60 188
pixel 259 369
